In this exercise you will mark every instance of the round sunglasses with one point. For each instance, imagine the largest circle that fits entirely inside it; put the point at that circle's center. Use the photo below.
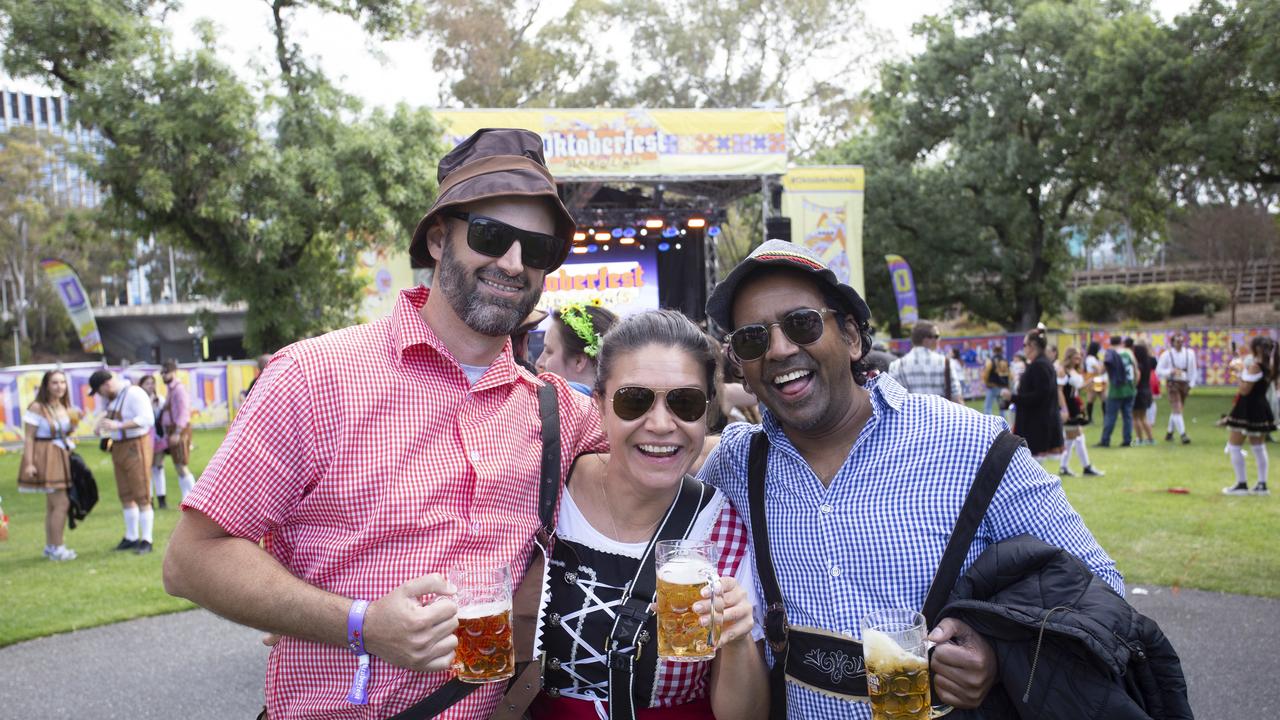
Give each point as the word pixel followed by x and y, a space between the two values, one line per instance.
pixel 633 401
pixel 802 327
pixel 494 238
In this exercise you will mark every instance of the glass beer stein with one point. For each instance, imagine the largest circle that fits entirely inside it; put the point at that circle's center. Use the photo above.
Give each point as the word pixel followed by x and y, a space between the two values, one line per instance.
pixel 684 568
pixel 485 651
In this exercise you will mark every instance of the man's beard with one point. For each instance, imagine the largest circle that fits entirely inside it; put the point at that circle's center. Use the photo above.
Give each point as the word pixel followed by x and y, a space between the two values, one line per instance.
pixel 487 315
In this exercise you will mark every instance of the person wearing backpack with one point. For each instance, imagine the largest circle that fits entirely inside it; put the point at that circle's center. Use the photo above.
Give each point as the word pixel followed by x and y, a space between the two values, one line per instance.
pixel 995 375
pixel 46 449
pixel 1122 374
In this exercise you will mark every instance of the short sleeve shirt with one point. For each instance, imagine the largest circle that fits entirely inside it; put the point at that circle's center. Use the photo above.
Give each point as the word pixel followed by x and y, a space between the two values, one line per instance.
pixel 364 458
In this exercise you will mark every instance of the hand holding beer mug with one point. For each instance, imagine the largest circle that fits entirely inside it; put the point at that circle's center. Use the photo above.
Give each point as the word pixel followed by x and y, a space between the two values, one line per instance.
pixel 896 650
pixel 485 650
pixel 685 567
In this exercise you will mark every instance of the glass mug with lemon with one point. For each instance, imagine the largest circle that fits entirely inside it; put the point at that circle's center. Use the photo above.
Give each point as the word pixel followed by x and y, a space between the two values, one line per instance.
pixel 895 647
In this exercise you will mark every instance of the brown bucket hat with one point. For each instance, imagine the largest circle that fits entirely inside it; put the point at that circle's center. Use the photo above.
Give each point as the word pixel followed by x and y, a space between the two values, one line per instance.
pixel 491 163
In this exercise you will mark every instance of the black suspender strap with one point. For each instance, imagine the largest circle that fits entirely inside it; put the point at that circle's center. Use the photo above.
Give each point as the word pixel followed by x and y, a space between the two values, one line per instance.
pixel 990 473
pixel 548 497
pixel 549 486
pixel 775 614
pixel 628 637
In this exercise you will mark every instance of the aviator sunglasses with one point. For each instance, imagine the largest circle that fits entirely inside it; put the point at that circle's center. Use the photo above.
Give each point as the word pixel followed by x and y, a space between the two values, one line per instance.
pixel 632 402
pixel 494 237
pixel 802 327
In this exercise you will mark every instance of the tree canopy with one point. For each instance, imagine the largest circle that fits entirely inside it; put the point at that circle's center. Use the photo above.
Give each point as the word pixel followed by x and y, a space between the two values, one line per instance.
pixel 275 193
pixel 1023 119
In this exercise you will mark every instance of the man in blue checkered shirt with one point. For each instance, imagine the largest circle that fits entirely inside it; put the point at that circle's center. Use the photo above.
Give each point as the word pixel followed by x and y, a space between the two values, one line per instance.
pixel 865 480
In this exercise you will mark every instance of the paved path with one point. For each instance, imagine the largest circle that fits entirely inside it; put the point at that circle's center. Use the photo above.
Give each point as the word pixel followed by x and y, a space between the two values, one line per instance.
pixel 196 666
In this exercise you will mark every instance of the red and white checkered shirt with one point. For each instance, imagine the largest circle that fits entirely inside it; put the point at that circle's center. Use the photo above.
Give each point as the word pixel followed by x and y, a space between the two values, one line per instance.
pixel 365 458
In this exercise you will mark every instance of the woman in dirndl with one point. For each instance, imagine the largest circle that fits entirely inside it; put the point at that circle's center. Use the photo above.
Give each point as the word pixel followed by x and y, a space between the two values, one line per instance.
pixel 46 458
pixel 1072 384
pixel 1251 415
pixel 656 382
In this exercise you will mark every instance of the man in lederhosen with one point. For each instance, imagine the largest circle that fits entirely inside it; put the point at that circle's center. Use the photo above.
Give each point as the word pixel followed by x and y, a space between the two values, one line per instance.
pixel 176 419
pixel 1177 367
pixel 864 480
pixel 128 422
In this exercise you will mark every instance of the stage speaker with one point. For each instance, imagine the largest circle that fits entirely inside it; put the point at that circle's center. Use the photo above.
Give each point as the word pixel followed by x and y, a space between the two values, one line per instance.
pixel 777 228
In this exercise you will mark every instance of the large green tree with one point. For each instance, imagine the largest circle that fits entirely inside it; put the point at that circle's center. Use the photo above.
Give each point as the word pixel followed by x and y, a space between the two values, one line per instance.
pixel 275 191
pixel 1222 133
pixel 1002 133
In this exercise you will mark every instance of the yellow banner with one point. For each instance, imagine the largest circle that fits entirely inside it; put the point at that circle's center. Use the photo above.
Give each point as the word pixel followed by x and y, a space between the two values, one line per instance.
pixel 824 203
pixel 640 142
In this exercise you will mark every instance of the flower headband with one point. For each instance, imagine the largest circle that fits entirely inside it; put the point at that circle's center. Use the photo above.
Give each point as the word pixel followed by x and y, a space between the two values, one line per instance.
pixel 576 318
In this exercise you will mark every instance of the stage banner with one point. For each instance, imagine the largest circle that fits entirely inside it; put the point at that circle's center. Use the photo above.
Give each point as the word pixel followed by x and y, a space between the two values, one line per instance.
pixel 68 285
pixel 904 289
pixel 385 273
pixel 623 280
pixel 824 203
pixel 641 142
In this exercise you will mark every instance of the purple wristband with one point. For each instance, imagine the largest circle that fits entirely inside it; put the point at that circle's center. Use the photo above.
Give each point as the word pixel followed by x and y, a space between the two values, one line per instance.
pixel 359 694
pixel 355 626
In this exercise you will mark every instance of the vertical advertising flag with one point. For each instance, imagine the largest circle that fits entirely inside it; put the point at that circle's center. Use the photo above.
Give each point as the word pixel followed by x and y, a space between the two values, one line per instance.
pixel 824 203
pixel 67 283
pixel 904 289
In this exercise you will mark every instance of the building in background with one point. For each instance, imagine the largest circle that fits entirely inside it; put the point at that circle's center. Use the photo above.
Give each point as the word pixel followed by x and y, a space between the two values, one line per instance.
pixel 48 113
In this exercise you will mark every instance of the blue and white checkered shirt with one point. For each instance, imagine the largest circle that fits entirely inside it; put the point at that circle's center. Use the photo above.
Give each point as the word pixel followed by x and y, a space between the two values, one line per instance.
pixel 873 538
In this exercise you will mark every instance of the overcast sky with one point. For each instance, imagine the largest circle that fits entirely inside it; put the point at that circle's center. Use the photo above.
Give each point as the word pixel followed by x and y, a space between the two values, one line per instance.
pixel 389 72
pixel 404 73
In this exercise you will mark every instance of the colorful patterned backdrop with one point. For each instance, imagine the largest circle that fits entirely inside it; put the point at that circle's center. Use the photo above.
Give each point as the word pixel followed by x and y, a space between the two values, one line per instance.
pixel 1214 348
pixel 214 389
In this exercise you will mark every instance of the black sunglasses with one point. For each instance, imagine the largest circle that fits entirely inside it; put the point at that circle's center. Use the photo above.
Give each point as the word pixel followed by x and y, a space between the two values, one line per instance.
pixel 632 402
pixel 494 237
pixel 802 327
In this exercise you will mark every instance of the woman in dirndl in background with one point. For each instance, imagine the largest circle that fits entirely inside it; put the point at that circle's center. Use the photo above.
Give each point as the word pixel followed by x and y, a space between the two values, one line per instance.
pixel 1251 415
pixel 1071 386
pixel 46 458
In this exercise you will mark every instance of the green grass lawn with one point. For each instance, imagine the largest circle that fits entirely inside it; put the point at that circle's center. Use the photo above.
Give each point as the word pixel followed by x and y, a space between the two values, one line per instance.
pixel 1199 540
pixel 1203 539
pixel 98 587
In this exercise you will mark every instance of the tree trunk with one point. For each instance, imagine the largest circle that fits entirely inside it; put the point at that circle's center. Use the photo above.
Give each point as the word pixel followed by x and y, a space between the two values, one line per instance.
pixel 20 282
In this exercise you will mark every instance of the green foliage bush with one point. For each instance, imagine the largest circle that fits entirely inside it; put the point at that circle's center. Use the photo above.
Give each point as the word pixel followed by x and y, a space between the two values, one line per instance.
pixel 1149 303
pixel 1191 298
pixel 1099 303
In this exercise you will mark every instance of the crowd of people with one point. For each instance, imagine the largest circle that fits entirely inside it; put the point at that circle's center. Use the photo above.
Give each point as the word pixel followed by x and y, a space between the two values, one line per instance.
pixel 138 428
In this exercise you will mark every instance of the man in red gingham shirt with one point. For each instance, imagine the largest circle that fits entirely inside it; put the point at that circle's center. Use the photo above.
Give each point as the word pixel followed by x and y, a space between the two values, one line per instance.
pixel 370 461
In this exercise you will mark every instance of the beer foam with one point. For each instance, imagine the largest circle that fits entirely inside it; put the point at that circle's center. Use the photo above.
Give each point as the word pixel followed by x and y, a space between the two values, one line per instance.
pixel 686 571
pixel 489 609
pixel 885 654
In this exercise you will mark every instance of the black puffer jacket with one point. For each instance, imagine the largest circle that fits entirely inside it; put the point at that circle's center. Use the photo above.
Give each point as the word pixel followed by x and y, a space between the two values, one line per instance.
pixel 1067 645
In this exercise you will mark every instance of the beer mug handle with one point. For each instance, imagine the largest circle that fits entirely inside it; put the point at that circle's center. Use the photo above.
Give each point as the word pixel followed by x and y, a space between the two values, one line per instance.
pixel 938 709
pixel 713 589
